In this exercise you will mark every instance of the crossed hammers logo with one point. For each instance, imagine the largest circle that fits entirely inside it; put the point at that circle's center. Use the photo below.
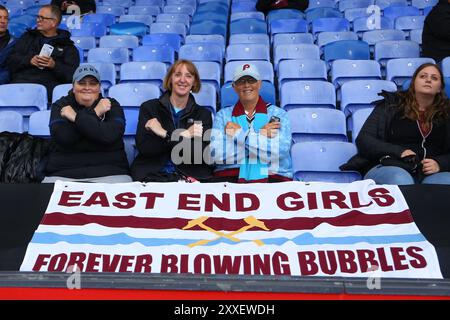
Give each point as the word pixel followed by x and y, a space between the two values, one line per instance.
pixel 250 220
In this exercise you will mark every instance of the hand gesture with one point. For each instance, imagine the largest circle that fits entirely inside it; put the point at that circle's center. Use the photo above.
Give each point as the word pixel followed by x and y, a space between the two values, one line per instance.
pixel 270 130
pixel 407 152
pixel 430 166
pixel 231 128
pixel 45 62
pixel 68 113
pixel 195 130
pixel 102 107
pixel 155 126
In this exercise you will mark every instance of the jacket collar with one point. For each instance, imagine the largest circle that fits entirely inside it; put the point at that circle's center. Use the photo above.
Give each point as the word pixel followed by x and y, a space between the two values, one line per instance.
pixel 165 101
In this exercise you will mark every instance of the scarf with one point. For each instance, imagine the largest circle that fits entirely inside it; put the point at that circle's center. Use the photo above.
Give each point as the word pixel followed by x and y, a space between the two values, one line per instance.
pixel 253 170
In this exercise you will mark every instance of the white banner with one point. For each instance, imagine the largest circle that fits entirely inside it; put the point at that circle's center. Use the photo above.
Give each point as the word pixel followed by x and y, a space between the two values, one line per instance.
pixel 316 229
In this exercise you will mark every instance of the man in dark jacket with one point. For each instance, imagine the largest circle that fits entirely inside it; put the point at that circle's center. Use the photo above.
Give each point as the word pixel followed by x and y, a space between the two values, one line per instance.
pixel 6 44
pixel 436 32
pixel 25 63
pixel 86 6
pixel 267 5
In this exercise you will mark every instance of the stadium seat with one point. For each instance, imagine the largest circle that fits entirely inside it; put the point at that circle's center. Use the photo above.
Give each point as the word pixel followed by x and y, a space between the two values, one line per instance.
pixel 427 10
pixel 192 3
pixel 260 38
pixel 104 18
pixel 322 12
pixel 11 121
pixel 124 3
pixel 313 4
pixel 207 38
pixel 445 63
pixel 210 72
pixel 138 29
pixel 209 27
pixel 145 19
pixel 201 52
pixel 129 136
pixel 132 95
pixel 329 24
pixel 317 124
pixel 295 51
pixel 307 93
pixel 385 50
pixel 408 23
pixel 160 53
pixel 17 29
pixel 214 16
pixel 84 43
pixel 171 39
pixel 228 96
pixel 149 10
pixel 288 26
pixel 301 69
pixel 292 38
pixel 122 41
pixel 400 70
pixel 360 94
pixel 364 24
pixel 26 19
pixel 174 18
pixel 117 11
pixel 354 13
pixel 145 72
pixel 393 12
pixel 112 55
pixel 325 38
pixel 359 117
pixel 374 36
pixel 243 6
pixel 346 49
pixel 247 15
pixel 416 36
pixel 320 161
pixel 158 3
pixel 169 27
pixel 422 4
pixel 88 29
pixel 38 125
pixel 107 72
pixel 247 51
pixel 383 4
pixel 60 91
pixel 276 14
pixel 265 69
pixel 347 70
pixel 206 97
pixel 350 4
pixel 186 9
pixel 24 98
pixel 248 26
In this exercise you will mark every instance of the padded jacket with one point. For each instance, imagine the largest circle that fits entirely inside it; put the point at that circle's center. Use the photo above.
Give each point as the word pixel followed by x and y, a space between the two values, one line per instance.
pixel 436 32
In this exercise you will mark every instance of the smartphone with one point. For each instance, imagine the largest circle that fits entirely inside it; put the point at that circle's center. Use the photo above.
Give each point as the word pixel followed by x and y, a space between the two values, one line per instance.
pixel 274 119
pixel 46 50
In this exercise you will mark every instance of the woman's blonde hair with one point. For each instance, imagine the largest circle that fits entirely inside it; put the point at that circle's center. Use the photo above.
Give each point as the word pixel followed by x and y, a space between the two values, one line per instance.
pixel 167 84
pixel 439 107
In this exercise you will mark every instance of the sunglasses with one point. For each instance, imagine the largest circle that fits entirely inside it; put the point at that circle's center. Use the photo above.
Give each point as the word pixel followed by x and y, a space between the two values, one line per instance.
pixel 244 80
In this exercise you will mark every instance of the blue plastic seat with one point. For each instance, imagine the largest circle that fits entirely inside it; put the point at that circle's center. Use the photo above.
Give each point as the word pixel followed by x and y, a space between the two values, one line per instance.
pixel 322 12
pixel 124 3
pixel 104 18
pixel 283 14
pixel 160 53
pixel 416 35
pixel 216 39
pixel 346 49
pixel 84 43
pixel 24 98
pixel 385 50
pixel 320 161
pixel 361 25
pixel 17 29
pixel 327 37
pixel 383 4
pixel 302 69
pixel 350 4
pixel 422 4
pixel 146 19
pixel 265 69
pixel 260 38
pixel 208 27
pixel 11 121
pixel 292 38
pixel 317 124
pixel 374 36
pixel 295 52
pixel 427 10
pixel 209 72
pixel 192 3
pixel 360 94
pixel 116 41
pixel 247 51
pixel 132 95
pixel 248 26
pixel 22 3
pixel 174 17
pixel 446 66
pixel 201 52
pixel 171 39
pixel 186 9
pixel 213 16
pixel 61 90
pixel 138 29
pixel 169 27
pixel 354 13
pixel 329 24
pixel 400 70
pixel 38 125
pixel 243 6
pixel 117 11
pixel 88 29
pixel 145 72
pixel 347 70
pixel 107 72
pixel 15 11
pixel 313 4
pixel 393 12
pixel 247 15
pixel 228 96
pixel 307 93
pixel 158 3
pixel 288 26
pixel 408 23
pixel 150 10
pixel 359 117
pixel 112 55
pixel 26 19
pixel 206 97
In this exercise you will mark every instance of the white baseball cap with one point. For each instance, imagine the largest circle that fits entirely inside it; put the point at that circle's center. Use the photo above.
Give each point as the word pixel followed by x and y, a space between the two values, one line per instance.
pixel 246 69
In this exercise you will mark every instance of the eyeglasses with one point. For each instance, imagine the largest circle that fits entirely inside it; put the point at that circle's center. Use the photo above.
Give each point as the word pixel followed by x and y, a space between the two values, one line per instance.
pixel 40 18
pixel 244 80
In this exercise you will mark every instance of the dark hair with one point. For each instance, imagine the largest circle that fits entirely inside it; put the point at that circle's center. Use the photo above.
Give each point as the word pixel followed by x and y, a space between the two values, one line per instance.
pixel 439 108
pixel 56 12
pixel 4 9
pixel 190 67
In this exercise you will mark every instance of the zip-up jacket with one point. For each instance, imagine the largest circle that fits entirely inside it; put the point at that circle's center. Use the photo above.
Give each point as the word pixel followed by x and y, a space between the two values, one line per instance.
pixel 436 32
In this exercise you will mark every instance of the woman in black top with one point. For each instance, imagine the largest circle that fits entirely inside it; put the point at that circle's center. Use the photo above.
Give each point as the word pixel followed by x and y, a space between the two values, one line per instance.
pixel 87 131
pixel 172 131
pixel 409 133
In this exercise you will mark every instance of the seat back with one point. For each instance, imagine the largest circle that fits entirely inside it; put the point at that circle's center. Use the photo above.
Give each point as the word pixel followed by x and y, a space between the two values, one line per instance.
pixel 39 123
pixel 11 121
pixel 145 72
pixel 307 93
pixel 132 95
pixel 24 98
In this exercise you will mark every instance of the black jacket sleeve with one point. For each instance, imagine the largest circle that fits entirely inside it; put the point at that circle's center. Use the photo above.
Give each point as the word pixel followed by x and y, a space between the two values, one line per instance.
pixel 62 131
pixel 20 55
pixel 106 131
pixel 371 139
pixel 438 21
pixel 147 142
pixel 444 159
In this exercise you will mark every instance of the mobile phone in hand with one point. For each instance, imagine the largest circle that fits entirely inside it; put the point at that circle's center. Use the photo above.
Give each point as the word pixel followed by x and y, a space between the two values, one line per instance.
pixel 46 50
pixel 274 119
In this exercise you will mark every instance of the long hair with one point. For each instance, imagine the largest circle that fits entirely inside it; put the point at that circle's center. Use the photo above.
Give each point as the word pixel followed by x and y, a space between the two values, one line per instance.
pixel 167 84
pixel 439 108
